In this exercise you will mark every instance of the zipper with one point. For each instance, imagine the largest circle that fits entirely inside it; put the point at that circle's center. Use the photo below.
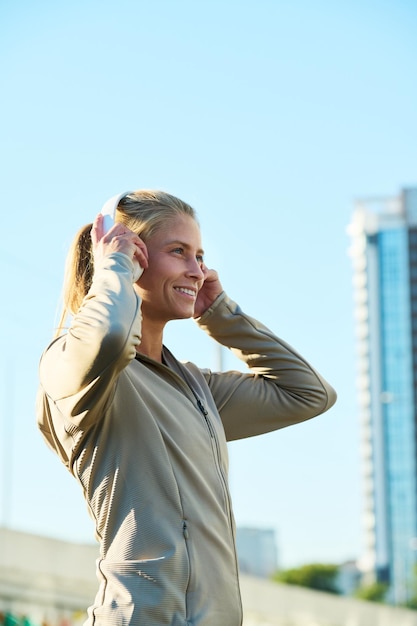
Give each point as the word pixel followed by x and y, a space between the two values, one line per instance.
pixel 213 436
pixel 224 485
pixel 182 377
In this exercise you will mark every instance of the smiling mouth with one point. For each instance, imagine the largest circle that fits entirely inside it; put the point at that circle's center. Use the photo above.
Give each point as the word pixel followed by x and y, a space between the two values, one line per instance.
pixel 187 292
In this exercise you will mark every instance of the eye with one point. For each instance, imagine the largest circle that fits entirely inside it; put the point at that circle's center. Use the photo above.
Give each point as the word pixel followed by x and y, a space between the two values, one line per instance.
pixel 178 250
pixel 200 259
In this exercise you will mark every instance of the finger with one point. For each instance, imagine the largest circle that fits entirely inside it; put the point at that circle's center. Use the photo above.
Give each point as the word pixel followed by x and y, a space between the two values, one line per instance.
pixel 209 274
pixel 97 230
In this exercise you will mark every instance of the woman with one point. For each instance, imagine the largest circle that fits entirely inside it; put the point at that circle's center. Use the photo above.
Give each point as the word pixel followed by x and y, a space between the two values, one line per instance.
pixel 144 434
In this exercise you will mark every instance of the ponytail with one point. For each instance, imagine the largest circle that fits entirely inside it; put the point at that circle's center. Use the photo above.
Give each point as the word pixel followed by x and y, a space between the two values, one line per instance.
pixel 79 270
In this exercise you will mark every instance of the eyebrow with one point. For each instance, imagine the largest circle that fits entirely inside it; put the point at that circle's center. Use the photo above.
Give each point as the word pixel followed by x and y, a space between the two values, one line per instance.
pixel 184 245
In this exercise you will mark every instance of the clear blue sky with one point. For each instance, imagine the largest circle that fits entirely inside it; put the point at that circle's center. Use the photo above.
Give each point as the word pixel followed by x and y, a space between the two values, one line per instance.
pixel 271 118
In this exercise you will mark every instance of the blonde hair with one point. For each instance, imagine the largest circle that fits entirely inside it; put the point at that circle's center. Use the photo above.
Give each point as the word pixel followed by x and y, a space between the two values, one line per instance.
pixel 144 212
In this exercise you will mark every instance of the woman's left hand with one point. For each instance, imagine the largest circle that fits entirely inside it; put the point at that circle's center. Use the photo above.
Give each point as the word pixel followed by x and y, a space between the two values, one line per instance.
pixel 210 290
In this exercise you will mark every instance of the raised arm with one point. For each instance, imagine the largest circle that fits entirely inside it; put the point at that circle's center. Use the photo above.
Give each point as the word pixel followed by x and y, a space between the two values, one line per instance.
pixel 105 331
pixel 281 389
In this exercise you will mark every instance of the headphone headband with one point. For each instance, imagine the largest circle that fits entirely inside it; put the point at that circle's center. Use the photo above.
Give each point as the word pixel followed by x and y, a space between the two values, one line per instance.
pixel 109 209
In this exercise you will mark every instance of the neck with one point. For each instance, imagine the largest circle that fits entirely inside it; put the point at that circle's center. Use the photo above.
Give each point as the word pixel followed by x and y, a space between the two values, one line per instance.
pixel 151 342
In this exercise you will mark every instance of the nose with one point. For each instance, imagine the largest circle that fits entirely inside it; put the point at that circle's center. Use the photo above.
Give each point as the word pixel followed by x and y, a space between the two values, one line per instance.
pixel 195 270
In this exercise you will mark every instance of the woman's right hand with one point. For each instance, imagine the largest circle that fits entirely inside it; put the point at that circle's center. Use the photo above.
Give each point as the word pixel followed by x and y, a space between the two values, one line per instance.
pixel 119 239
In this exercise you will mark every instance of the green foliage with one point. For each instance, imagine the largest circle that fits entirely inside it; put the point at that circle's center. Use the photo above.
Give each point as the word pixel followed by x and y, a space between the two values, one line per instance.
pixel 372 593
pixel 411 603
pixel 412 600
pixel 318 576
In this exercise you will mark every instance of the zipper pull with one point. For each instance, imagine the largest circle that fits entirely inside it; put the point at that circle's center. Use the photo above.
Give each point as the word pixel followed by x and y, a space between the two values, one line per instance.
pixel 205 413
pixel 185 529
pixel 202 407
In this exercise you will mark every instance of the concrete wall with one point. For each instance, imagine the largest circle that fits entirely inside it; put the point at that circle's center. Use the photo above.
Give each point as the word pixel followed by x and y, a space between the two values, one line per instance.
pixel 269 604
pixel 46 579
pixel 54 581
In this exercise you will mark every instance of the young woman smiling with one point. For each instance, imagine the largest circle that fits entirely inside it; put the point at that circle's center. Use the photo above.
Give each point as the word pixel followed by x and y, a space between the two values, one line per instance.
pixel 146 435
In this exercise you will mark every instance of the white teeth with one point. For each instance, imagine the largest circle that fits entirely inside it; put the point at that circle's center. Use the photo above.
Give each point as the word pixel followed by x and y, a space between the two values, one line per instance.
pixel 189 292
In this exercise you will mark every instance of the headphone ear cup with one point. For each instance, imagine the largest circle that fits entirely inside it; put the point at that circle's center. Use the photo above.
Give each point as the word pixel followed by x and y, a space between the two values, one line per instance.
pixel 108 222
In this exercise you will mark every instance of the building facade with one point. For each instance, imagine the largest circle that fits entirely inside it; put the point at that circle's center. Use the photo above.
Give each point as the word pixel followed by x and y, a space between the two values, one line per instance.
pixel 257 551
pixel 384 256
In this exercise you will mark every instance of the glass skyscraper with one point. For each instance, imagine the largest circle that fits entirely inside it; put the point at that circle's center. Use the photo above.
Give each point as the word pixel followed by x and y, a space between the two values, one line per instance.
pixel 384 256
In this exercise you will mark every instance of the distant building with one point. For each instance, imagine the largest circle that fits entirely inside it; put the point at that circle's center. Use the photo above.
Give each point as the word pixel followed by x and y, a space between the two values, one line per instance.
pixel 384 256
pixel 257 551
pixel 348 578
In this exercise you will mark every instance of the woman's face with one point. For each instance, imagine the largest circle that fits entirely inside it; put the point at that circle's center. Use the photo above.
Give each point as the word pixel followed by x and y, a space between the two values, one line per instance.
pixel 169 286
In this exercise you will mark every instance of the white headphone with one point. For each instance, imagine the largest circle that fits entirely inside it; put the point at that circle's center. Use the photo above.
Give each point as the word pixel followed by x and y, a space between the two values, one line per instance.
pixel 109 213
pixel 109 209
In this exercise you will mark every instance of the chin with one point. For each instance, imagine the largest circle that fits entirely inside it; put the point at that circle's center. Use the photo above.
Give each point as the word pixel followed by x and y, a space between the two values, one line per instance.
pixel 184 316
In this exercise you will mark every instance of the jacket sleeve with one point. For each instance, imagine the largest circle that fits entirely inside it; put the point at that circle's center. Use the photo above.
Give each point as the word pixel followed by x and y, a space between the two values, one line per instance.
pixel 281 388
pixel 78 370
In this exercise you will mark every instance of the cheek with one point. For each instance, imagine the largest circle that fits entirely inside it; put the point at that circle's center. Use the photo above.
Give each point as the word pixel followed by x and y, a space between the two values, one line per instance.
pixel 146 284
pixel 152 280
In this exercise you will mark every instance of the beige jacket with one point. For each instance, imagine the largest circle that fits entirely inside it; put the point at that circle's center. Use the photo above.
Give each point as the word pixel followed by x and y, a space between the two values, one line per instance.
pixel 152 465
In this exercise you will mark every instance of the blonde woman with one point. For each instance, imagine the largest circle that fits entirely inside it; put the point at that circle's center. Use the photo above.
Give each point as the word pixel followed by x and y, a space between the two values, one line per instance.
pixel 144 434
